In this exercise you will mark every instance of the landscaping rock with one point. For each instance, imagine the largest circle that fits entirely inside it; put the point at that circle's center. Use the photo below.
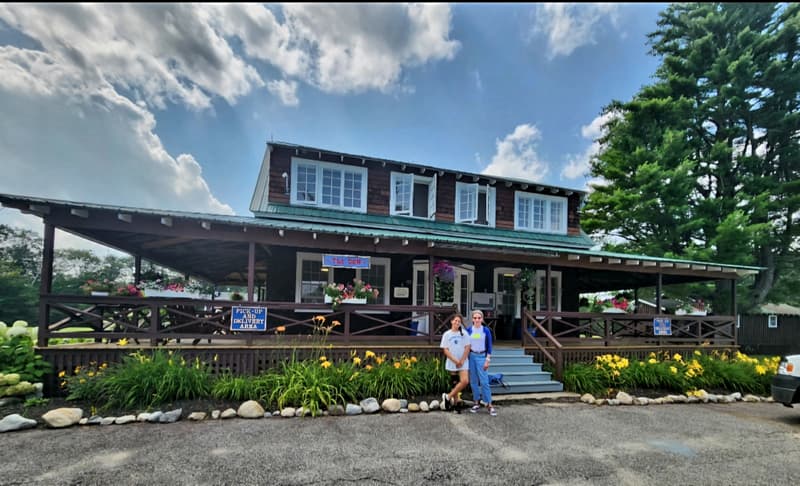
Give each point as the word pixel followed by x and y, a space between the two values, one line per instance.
pixel 83 421
pixel 751 398
pixel 197 416
pixel 171 417
pixel 413 407
pixel 624 399
pixel 16 422
pixel 142 417
pixel 713 398
pixel 94 420
pixel 641 401
pixel 62 417
pixel 434 405
pixel 155 417
pixel 702 395
pixel 288 412
pixel 215 414
pixel 736 396
pixel 424 407
pixel 228 413
pixel 370 405
pixel 250 409
pixel 403 403
pixel 107 420
pixel 391 405
pixel 336 410
pixel 600 401
pixel 693 400
pixel 352 409
pixel 276 413
pixel 125 419
pixel 587 398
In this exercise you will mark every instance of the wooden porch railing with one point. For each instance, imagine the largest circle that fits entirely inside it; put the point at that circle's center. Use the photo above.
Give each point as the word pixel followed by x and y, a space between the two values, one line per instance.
pixel 551 332
pixel 162 319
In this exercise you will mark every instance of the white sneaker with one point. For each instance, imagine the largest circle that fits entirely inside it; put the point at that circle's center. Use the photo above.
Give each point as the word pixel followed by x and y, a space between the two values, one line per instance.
pixel 445 401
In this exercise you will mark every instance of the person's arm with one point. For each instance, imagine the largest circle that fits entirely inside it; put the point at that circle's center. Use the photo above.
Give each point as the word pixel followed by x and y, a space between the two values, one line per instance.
pixel 465 356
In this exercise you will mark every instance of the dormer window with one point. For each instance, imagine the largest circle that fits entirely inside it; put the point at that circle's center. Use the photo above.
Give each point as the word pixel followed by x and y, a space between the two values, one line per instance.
pixel 475 204
pixel 327 185
pixel 413 195
pixel 543 214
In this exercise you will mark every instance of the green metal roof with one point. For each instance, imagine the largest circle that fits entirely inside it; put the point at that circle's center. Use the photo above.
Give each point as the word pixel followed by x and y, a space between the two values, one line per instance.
pixel 415 226
pixel 321 221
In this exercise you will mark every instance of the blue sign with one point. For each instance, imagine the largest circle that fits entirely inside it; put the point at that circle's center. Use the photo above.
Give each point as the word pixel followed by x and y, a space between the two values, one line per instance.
pixel 662 326
pixel 345 261
pixel 248 318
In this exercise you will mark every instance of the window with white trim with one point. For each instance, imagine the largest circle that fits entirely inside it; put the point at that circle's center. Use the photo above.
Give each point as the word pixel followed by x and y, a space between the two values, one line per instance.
pixel 311 277
pixel 475 204
pixel 536 212
pixel 413 195
pixel 327 185
pixel 541 290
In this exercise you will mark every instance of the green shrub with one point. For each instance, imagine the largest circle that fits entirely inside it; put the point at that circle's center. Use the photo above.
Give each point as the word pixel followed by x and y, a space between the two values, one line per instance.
pixel 142 381
pixel 585 378
pixel 17 356
pixel 231 387
pixel 302 384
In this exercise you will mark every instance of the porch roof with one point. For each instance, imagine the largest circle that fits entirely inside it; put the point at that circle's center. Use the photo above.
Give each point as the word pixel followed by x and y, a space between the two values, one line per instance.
pixel 215 247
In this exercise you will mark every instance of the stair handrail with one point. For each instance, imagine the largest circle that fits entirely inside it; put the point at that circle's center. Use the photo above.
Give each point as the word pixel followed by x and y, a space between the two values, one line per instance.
pixel 558 359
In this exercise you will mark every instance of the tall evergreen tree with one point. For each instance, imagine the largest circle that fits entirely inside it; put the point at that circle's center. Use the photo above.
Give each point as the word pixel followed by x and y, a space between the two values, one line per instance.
pixel 704 162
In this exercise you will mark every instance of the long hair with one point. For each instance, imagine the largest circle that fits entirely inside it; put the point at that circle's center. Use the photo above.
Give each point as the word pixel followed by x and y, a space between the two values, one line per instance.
pixel 460 324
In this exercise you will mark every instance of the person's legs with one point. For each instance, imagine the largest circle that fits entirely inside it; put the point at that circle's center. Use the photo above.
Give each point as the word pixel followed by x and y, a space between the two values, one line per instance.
pixel 483 381
pixel 463 381
pixel 473 378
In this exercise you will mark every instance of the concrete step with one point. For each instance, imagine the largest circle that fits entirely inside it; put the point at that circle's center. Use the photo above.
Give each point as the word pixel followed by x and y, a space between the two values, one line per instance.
pixel 498 360
pixel 528 387
pixel 513 367
pixel 520 377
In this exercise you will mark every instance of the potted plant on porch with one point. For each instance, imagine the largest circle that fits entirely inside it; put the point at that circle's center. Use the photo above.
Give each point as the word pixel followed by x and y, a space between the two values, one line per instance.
pixel 98 288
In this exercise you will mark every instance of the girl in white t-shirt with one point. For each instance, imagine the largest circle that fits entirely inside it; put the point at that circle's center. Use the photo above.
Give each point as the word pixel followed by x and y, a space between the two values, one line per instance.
pixel 455 344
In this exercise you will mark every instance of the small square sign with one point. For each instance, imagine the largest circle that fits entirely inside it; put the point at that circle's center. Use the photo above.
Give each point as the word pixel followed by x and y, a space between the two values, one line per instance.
pixel 245 318
pixel 662 326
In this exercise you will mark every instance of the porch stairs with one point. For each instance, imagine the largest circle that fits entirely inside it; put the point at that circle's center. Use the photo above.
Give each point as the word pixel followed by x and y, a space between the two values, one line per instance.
pixel 520 373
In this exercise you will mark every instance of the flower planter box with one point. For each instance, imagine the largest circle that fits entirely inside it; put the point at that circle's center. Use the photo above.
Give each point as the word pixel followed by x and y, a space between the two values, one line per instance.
pixel 363 300
pixel 614 310
pixel 97 293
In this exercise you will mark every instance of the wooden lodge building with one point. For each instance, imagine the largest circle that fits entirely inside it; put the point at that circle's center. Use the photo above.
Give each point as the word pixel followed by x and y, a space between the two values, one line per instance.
pixel 431 241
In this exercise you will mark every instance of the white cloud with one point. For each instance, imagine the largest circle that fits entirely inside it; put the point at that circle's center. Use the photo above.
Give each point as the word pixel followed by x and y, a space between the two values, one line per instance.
pixel 478 82
pixel 285 90
pixel 65 136
pixel 344 48
pixel 164 52
pixel 570 26
pixel 516 155
pixel 578 164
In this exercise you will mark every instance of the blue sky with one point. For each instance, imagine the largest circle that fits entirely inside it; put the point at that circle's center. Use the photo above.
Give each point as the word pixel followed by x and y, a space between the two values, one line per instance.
pixel 171 106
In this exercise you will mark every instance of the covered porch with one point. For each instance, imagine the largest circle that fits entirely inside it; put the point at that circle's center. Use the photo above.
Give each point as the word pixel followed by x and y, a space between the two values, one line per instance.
pixel 264 255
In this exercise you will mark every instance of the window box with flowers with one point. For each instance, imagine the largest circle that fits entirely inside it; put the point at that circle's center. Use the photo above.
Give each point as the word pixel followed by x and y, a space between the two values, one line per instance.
pixel 610 306
pixel 98 288
pixel 355 293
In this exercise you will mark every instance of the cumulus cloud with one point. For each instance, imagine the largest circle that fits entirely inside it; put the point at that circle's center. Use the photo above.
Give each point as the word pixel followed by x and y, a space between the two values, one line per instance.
pixel 65 136
pixel 578 164
pixel 516 155
pixel 346 48
pixel 285 90
pixel 567 27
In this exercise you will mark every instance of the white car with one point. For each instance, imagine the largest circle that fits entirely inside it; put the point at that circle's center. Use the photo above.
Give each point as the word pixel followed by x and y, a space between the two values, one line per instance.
pixel 786 383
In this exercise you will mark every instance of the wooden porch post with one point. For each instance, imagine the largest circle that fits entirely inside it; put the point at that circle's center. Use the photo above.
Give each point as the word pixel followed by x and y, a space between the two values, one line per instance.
pixel 549 299
pixel 46 283
pixel 251 270
pixel 431 291
pixel 137 269
pixel 733 312
pixel 658 295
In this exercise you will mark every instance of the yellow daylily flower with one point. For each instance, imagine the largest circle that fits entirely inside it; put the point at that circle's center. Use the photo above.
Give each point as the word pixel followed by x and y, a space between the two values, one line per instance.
pixel 397 365
pixel 123 342
pixel 326 364
pixel 356 361
pixel 369 354
pixel 323 358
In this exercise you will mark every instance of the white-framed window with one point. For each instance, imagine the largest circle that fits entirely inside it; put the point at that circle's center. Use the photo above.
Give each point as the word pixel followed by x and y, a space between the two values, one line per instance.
pixel 543 214
pixel 463 285
pixel 311 276
pixel 509 296
pixel 772 321
pixel 327 185
pixel 475 204
pixel 413 195
pixel 541 290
